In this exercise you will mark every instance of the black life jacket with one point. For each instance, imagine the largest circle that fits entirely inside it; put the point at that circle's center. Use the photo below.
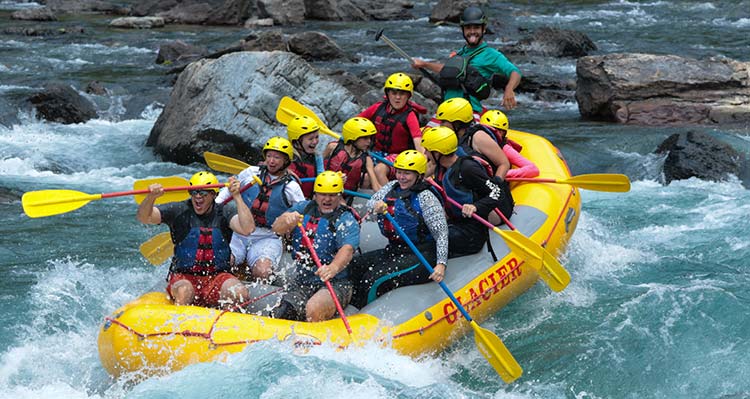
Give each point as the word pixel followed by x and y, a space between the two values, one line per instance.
pixel 458 73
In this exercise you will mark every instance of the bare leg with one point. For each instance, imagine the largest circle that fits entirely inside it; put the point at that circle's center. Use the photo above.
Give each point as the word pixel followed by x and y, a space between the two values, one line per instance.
pixel 381 173
pixel 494 219
pixel 183 292
pixel 263 269
pixel 320 307
pixel 233 292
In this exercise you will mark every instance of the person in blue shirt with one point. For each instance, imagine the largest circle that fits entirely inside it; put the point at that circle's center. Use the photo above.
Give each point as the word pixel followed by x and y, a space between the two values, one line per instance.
pixel 486 60
pixel 334 232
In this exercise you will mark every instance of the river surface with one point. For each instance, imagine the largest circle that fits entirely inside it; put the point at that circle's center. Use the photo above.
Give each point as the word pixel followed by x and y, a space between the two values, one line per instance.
pixel 658 304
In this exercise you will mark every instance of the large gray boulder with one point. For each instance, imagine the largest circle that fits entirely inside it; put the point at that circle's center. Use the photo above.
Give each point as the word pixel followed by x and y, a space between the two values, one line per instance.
pixel 663 89
pixel 695 154
pixel 228 105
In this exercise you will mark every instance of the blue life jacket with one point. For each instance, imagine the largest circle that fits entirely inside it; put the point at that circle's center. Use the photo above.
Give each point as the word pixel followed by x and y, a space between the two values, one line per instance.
pixel 268 201
pixel 321 228
pixel 205 249
pixel 404 206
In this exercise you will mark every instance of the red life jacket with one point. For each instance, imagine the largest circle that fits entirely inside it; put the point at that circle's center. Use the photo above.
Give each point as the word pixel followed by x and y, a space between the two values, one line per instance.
pixel 352 167
pixel 303 168
pixel 393 135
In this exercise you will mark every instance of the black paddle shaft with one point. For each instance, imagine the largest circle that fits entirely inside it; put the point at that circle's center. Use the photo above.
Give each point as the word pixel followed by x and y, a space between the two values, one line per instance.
pixel 402 53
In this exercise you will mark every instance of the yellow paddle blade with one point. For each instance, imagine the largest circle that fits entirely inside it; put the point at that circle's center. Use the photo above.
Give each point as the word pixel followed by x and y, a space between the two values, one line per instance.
pixel 289 109
pixel 169 196
pixel 224 163
pixel 496 353
pixel 37 204
pixel 548 268
pixel 158 248
pixel 609 182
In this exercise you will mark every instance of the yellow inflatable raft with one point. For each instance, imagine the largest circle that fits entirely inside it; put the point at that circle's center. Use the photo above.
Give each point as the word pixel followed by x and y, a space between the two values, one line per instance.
pixel 152 336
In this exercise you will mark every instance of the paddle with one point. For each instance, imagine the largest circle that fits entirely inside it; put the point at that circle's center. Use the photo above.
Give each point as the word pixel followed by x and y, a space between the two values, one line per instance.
pixel 223 163
pixel 548 268
pixel 289 109
pixel 175 187
pixel 159 248
pixel 402 53
pixel 307 243
pixel 54 202
pixel 615 183
pixel 489 344
pixel 226 164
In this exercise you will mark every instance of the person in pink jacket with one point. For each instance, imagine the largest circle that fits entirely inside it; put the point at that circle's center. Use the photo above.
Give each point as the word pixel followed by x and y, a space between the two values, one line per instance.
pixel 498 124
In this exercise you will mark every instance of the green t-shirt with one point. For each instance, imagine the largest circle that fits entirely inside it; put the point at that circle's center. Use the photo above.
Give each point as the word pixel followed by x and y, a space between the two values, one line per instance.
pixel 487 61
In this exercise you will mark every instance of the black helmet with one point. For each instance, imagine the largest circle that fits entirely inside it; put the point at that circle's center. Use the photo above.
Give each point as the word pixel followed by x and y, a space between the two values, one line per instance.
pixel 473 15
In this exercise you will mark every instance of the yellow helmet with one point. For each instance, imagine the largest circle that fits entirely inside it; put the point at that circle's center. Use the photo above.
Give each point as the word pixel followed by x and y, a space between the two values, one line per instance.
pixel 357 127
pixel 495 118
pixel 279 144
pixel 411 160
pixel 329 182
pixel 399 81
pixel 301 126
pixel 455 109
pixel 204 177
pixel 441 139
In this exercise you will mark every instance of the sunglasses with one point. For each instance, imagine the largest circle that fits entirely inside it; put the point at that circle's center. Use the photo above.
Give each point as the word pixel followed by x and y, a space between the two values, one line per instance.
pixel 201 193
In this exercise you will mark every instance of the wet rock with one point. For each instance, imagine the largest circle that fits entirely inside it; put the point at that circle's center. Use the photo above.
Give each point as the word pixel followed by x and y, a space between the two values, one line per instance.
pixel 353 83
pixel 428 89
pixel 317 46
pixel 357 10
pixel 451 10
pixel 663 89
pixel 179 52
pixel 554 42
pixel 228 105
pixel 9 196
pixel 253 23
pixel 696 154
pixel 60 103
pixel 137 22
pixel 282 12
pixel 202 12
pixel 34 14
pixel 96 87
pixel 86 6
pixel 265 41
pixel 37 31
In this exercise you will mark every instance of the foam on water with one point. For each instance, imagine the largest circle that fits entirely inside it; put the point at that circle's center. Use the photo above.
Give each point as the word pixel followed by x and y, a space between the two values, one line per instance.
pixel 64 310
pixel 739 23
pixel 276 370
pixel 98 150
